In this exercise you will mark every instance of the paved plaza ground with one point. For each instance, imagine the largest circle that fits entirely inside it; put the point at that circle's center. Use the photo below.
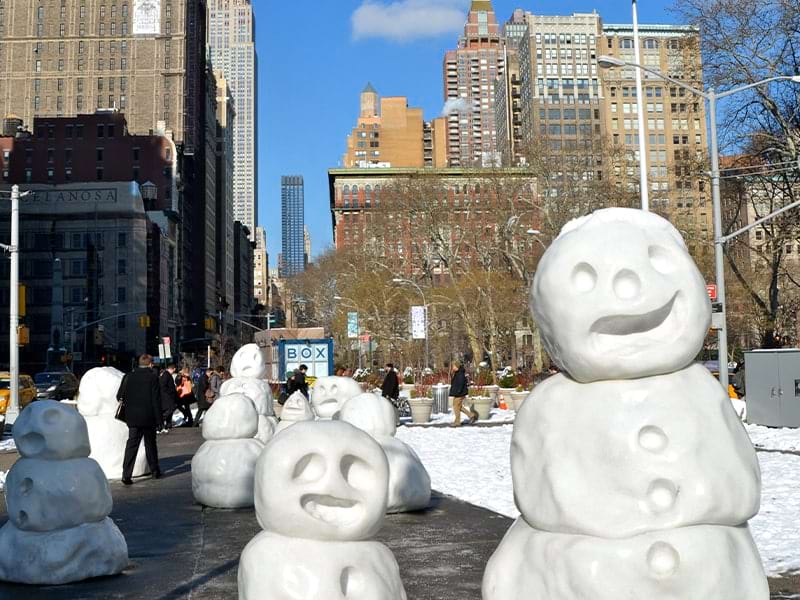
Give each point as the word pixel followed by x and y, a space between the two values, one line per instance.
pixel 180 550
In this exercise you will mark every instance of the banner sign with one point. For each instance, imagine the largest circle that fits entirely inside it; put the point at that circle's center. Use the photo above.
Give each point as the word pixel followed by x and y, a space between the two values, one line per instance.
pixel 352 325
pixel 146 17
pixel 419 323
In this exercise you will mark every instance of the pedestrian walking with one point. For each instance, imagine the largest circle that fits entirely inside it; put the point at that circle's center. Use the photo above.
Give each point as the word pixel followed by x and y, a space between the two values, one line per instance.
pixel 185 396
pixel 390 388
pixel 300 383
pixel 201 396
pixel 169 397
pixel 139 393
pixel 458 390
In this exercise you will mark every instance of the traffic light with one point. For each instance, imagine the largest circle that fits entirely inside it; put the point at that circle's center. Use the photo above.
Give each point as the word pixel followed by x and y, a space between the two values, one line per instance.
pixel 22 300
pixel 210 324
pixel 23 335
pixel 144 321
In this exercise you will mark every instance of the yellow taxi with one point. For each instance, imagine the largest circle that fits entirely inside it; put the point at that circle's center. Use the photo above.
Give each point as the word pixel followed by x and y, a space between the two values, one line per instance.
pixel 27 392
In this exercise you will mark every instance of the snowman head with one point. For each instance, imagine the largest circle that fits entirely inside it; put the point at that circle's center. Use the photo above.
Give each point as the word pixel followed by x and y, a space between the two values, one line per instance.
pixel 371 413
pixel 256 389
pixel 231 417
pixel 617 296
pixel 323 480
pixel 97 394
pixel 248 362
pixel 51 431
pixel 329 394
pixel 297 408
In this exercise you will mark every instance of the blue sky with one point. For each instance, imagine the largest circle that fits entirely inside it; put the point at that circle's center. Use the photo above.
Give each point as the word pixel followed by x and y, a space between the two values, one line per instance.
pixel 316 57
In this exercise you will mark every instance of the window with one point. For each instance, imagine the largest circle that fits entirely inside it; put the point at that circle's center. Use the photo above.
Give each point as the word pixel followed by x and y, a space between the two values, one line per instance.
pixel 122 239
pixel 121 295
pixel 122 266
pixel 101 129
pixel 99 173
pixel 99 155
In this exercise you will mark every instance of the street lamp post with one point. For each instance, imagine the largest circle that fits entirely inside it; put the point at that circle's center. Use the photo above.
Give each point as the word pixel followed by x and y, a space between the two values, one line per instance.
pixel 712 97
pixel 425 308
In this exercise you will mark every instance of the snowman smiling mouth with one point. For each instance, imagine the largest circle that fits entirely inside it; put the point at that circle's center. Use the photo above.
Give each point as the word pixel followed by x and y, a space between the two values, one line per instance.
pixel 633 332
pixel 329 509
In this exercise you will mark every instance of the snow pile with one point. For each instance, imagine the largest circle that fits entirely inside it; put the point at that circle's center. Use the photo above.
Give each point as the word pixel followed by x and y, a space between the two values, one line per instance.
pixel 7 445
pixel 496 415
pixel 472 464
pixel 3 480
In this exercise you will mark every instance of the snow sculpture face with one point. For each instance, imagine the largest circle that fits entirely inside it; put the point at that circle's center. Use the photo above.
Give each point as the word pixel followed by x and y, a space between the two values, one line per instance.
pixel 370 413
pixel 231 417
pixel 248 362
pixel 97 394
pixel 329 394
pixel 256 389
pixel 323 480
pixel 297 408
pixel 617 296
pixel 52 431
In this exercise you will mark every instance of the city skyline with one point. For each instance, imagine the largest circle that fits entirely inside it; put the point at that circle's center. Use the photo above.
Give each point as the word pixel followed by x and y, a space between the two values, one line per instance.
pixel 366 43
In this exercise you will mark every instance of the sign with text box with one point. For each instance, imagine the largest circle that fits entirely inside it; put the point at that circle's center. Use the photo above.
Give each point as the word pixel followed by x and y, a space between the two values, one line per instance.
pixel 419 322
pixel 352 325
pixel 317 355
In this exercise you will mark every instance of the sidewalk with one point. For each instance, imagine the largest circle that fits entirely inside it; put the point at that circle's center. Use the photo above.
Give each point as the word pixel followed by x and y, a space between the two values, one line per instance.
pixel 179 550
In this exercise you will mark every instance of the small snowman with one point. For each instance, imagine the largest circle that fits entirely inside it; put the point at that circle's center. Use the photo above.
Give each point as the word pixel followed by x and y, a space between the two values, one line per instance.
pixel 248 370
pixel 223 468
pixel 295 410
pixel 97 402
pixel 330 394
pixel 633 474
pixel 409 482
pixel 320 493
pixel 58 502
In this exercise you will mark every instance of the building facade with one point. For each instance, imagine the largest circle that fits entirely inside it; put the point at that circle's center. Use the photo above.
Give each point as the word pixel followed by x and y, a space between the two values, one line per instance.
pixel 292 221
pixel 224 170
pixel 470 75
pixel 231 49
pixel 261 268
pixel 103 239
pixel 243 303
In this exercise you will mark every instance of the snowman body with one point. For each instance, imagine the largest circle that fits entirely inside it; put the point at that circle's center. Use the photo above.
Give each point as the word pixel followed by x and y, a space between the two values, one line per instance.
pixel 97 402
pixel 320 494
pixel 58 501
pixel 259 392
pixel 223 469
pixel 633 476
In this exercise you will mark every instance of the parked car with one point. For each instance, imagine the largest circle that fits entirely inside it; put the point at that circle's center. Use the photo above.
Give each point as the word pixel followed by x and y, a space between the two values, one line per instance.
pixel 27 392
pixel 56 385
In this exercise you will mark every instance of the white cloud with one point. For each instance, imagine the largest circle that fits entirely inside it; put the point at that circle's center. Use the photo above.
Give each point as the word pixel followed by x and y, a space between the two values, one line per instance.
pixel 405 20
pixel 454 105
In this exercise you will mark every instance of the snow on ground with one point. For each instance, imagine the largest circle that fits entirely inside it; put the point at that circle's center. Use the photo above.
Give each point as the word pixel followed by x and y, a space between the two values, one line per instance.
pixel 7 444
pixel 472 463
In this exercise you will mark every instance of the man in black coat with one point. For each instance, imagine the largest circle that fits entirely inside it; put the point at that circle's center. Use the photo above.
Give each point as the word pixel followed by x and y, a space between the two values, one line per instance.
pixel 139 392
pixel 300 383
pixel 169 396
pixel 390 388
pixel 459 388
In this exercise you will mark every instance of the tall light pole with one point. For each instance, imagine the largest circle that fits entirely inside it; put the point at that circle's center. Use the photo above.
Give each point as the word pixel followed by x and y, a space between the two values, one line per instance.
pixel 425 307
pixel 643 185
pixel 712 97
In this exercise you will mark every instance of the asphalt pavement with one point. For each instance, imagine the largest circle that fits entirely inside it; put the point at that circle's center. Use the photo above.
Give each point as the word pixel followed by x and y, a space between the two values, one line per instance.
pixel 179 549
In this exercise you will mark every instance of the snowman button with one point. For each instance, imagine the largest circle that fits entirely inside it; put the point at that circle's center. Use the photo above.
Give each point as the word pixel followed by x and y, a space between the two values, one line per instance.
pixel 661 495
pixel 662 559
pixel 653 439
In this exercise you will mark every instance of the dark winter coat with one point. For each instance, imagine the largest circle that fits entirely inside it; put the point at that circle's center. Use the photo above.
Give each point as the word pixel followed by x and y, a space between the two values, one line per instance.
pixel 458 384
pixel 391 386
pixel 300 384
pixel 168 392
pixel 200 392
pixel 140 392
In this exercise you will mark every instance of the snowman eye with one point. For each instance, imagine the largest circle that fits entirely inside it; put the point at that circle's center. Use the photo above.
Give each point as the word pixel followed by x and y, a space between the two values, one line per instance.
pixel 661 259
pixel 584 277
pixel 356 472
pixel 309 468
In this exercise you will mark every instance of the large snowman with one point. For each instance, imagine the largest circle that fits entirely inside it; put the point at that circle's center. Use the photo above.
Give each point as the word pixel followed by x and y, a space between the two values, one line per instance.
pixel 634 477
pixel 248 371
pixel 329 394
pixel 320 494
pixel 97 402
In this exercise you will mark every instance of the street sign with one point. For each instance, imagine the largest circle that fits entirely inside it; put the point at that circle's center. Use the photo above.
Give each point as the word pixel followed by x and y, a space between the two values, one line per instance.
pixel 317 355
pixel 352 325
pixel 711 288
pixel 419 323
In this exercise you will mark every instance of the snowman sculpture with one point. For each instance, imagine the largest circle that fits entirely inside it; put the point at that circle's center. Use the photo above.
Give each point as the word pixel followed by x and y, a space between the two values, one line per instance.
pixel 330 394
pixel 223 469
pixel 295 410
pixel 633 474
pixel 409 482
pixel 97 402
pixel 58 502
pixel 248 371
pixel 320 493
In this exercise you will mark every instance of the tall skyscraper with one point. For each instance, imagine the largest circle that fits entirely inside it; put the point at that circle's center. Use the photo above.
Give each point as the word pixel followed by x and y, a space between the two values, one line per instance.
pixel 231 37
pixel 470 73
pixel 261 268
pixel 292 222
